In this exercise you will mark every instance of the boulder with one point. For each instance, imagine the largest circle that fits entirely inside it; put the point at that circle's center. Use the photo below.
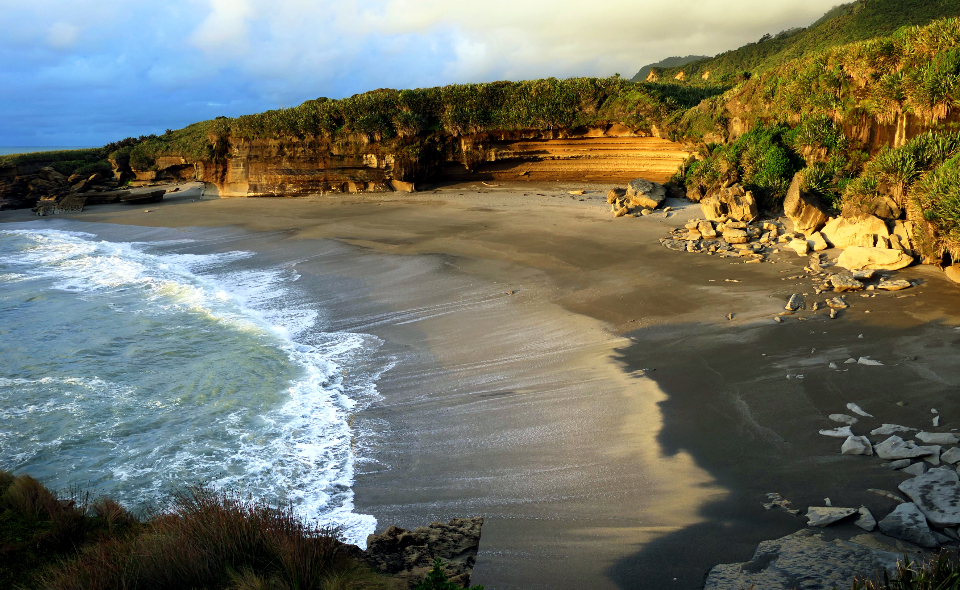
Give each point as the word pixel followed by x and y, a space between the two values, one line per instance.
pixel 409 555
pixel 884 207
pixel 844 232
pixel 50 175
pixel 795 302
pixel 908 523
pixel 826 515
pixel 801 247
pixel 835 303
pixel 646 194
pixel 936 494
pixel 856 445
pixel 855 258
pixel 735 236
pixel 896 448
pixel 938 438
pixel 806 211
pixel 732 202
pixel 403 187
pixel 802 560
pixel 843 282
pixel 817 242
pixel 866 521
pixel 706 230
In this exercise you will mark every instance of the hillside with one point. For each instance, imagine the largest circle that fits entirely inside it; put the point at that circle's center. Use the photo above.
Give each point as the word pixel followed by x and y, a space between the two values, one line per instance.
pixel 847 23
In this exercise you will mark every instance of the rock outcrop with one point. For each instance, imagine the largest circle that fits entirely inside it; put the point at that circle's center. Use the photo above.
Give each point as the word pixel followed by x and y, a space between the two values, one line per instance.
pixel 805 210
pixel 806 560
pixel 731 202
pixel 908 523
pixel 936 494
pixel 645 194
pixel 409 555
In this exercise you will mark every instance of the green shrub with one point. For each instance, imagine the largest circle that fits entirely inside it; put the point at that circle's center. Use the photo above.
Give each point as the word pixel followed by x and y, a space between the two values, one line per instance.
pixel 437 580
pixel 937 573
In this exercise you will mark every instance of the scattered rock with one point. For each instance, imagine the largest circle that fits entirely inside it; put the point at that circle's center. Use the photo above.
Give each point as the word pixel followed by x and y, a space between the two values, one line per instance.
pixel 886 494
pixel 735 236
pixel 837 303
pixel 806 211
pixel 951 456
pixel 833 314
pixel 801 247
pixel 895 448
pixel 843 282
pixel 646 194
pixel 936 493
pixel 888 429
pixel 802 560
pixel 916 468
pixel 817 242
pixel 858 410
pixel 865 360
pixel 938 438
pixel 795 302
pixel 897 285
pixel 855 258
pixel 856 445
pixel 898 464
pixel 908 523
pixel 839 432
pixel 864 275
pixel 842 418
pixel 823 516
pixel 866 521
pixel 614 194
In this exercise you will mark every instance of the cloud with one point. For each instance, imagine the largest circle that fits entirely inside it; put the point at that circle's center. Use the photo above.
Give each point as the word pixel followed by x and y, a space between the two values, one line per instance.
pixel 118 67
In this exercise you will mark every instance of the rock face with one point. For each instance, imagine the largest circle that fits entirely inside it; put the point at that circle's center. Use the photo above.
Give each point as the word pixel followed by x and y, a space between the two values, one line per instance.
pixel 646 194
pixel 409 555
pixel 908 523
pixel 936 494
pixel 732 203
pixel 856 258
pixel 806 211
pixel 801 560
pixel 843 232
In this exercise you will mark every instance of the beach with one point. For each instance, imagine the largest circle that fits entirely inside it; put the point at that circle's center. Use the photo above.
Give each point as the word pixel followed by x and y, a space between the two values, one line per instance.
pixel 559 372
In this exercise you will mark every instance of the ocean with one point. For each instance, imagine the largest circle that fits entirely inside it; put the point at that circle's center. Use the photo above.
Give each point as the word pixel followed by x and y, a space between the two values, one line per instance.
pixel 135 368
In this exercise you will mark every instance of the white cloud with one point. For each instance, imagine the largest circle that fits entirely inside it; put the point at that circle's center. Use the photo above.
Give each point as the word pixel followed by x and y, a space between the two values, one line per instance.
pixel 62 35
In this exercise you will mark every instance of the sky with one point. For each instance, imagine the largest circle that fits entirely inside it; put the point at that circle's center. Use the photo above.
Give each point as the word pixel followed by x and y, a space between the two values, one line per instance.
pixel 85 72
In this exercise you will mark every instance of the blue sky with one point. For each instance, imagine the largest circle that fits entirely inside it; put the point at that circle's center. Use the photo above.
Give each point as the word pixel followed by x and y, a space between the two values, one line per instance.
pixel 88 72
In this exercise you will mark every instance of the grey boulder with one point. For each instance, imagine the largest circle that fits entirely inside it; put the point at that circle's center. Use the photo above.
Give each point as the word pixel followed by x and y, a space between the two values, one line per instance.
pixel 936 493
pixel 826 515
pixel 908 523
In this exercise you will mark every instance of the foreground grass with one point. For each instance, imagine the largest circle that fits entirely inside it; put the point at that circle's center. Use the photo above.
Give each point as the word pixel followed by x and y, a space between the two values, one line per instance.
pixel 204 540
pixel 941 572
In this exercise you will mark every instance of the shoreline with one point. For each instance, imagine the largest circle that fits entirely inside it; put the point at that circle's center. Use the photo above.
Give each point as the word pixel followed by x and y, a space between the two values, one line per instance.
pixel 593 470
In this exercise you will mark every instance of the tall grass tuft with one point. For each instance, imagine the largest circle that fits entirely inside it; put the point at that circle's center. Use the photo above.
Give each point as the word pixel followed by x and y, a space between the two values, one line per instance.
pixel 941 572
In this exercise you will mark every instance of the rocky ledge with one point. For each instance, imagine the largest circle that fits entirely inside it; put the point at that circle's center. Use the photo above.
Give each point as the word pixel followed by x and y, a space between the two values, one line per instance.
pixel 407 556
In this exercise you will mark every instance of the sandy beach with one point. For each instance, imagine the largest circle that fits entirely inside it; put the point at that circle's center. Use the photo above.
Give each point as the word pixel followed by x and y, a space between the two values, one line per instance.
pixel 559 372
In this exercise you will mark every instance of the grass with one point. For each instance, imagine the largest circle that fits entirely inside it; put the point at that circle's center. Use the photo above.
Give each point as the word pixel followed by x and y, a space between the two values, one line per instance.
pixel 941 572
pixel 205 540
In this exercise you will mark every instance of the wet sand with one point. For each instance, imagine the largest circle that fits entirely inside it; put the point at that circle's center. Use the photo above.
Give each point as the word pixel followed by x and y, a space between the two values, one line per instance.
pixel 559 372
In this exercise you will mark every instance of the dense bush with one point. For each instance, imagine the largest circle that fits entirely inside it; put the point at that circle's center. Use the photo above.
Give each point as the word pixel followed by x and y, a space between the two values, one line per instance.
pixel 204 540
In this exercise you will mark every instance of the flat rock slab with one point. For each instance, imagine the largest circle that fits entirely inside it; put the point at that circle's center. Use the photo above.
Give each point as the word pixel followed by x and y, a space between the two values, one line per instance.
pixel 843 283
pixel 888 429
pixel 827 515
pixel 951 455
pixel 843 419
pixel 857 258
pixel 896 448
pixel 841 432
pixel 837 303
pixel 802 560
pixel 936 494
pixel 938 438
pixel 897 285
pixel 907 522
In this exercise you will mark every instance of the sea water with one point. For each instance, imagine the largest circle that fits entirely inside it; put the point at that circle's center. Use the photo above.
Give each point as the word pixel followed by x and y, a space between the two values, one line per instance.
pixel 133 370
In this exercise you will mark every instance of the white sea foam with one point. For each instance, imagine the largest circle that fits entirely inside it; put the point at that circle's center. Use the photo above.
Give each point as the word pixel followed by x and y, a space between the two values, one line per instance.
pixel 299 450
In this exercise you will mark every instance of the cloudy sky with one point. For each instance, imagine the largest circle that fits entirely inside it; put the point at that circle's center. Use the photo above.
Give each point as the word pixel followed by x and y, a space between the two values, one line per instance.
pixel 86 72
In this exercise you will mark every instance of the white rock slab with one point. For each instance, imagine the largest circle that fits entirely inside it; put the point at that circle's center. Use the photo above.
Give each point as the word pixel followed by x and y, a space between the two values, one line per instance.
pixel 908 523
pixel 937 494
pixel 918 468
pixel 839 432
pixel 856 445
pixel 938 438
pixel 865 360
pixel 896 448
pixel 888 429
pixel 826 515
pixel 857 409
pixel 843 418
pixel 934 457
